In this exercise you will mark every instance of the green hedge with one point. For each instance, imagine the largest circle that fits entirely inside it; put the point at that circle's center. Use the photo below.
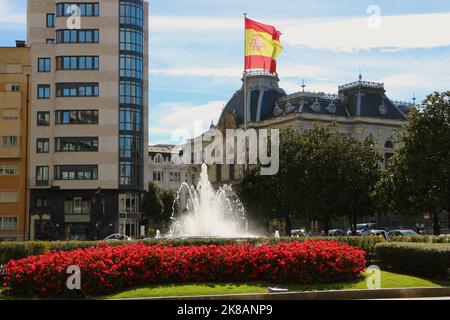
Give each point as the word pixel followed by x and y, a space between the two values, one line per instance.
pixel 421 259
pixel 422 239
pixel 19 250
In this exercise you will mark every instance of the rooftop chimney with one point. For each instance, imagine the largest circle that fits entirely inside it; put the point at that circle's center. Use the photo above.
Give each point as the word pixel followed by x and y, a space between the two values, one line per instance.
pixel 20 44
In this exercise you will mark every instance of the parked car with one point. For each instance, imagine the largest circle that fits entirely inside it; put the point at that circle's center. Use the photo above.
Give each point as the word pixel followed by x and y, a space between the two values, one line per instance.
pixel 400 233
pixel 117 237
pixel 361 227
pixel 336 233
pixel 374 232
pixel 298 233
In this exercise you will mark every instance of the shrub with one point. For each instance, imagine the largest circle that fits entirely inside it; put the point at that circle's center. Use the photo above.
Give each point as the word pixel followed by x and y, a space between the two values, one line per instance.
pixel 25 249
pixel 105 268
pixel 422 259
pixel 422 239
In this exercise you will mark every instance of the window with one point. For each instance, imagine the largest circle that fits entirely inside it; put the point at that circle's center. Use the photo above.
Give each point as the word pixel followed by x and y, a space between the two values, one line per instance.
pixel 42 145
pixel 50 41
pixel 158 158
pixel 130 173
pixel 77 36
pixel 9 196
pixel 232 171
pixel 41 203
pixel 50 20
pixel 9 169
pixel 130 147
pixel 77 117
pixel 131 66
pixel 9 141
pixel 158 176
pixel 77 205
pixel 8 223
pixel 13 87
pixel 77 63
pixel 131 40
pixel 129 203
pixel 77 90
pixel 68 9
pixel 130 119
pixel 43 118
pixel 76 172
pixel 44 65
pixel 42 175
pixel 131 14
pixel 131 92
pixel 10 114
pixel 77 144
pixel 43 91
pixel 389 145
pixel 175 177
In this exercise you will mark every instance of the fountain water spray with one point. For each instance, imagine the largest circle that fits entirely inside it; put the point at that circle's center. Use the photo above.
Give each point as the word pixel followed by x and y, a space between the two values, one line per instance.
pixel 209 212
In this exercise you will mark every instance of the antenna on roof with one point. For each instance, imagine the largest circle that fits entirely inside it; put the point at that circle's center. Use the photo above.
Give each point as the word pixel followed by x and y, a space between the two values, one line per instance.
pixel 303 85
pixel 360 74
pixel 414 98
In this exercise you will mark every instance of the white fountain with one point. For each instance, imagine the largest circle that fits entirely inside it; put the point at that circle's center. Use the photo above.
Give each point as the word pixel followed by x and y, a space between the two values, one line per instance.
pixel 209 213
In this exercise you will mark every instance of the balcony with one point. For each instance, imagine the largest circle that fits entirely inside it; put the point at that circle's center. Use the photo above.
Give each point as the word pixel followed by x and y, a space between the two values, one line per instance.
pixel 43 184
pixel 77 218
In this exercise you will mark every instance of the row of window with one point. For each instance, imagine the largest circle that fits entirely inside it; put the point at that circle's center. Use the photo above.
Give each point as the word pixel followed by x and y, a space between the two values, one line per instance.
pixel 8 223
pixel 131 40
pixel 131 14
pixel 9 141
pixel 68 117
pixel 173 176
pixel 9 113
pixel 130 173
pixel 69 90
pixel 67 172
pixel 9 169
pixel 131 66
pixel 77 63
pixel 77 36
pixel 9 196
pixel 68 144
pixel 130 146
pixel 83 9
pixel 130 92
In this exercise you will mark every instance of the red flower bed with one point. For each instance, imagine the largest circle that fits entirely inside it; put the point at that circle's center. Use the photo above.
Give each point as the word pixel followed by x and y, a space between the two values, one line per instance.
pixel 107 268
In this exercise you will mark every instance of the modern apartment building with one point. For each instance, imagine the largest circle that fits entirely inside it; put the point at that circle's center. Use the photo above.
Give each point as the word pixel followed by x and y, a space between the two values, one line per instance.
pixel 14 79
pixel 89 115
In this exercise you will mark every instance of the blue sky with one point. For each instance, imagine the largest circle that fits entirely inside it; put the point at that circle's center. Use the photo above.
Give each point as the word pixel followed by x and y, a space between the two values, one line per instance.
pixel 196 50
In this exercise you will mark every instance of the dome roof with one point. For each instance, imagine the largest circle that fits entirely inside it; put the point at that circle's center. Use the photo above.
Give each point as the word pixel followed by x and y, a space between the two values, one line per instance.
pixel 262 92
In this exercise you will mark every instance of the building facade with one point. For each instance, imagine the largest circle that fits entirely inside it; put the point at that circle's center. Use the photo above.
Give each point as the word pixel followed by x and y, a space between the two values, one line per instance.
pixel 163 170
pixel 89 115
pixel 14 83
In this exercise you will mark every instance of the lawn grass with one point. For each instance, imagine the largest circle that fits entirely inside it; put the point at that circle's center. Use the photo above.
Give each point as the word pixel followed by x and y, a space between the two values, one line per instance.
pixel 388 280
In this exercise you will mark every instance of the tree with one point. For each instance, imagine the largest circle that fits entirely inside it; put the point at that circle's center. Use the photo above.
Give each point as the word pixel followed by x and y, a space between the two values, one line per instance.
pixel 418 177
pixel 152 205
pixel 323 175
pixel 169 204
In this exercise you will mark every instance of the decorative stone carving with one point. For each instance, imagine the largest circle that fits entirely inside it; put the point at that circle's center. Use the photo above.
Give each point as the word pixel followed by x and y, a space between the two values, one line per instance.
pixel 289 108
pixel 383 109
pixel 277 110
pixel 331 108
pixel 316 106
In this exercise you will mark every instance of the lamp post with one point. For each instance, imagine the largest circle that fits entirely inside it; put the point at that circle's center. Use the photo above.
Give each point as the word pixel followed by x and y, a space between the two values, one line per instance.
pixel 100 209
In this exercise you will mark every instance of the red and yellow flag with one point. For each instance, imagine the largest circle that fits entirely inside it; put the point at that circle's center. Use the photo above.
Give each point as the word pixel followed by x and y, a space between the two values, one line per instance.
pixel 262 46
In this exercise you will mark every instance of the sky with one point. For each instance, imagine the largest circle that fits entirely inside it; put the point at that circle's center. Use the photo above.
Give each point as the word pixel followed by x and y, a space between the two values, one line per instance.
pixel 196 50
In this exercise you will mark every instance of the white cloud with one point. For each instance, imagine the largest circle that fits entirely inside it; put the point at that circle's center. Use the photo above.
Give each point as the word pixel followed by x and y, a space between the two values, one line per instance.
pixel 176 116
pixel 10 15
pixel 349 34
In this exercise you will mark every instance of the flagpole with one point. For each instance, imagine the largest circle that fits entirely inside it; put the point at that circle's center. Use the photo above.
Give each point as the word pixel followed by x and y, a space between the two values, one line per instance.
pixel 245 90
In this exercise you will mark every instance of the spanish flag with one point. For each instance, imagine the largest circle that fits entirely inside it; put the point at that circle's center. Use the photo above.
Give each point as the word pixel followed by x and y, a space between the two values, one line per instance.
pixel 262 46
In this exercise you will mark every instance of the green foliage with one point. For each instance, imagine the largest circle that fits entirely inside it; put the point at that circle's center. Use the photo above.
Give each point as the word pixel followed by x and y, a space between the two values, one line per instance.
pixel 323 174
pixel 422 239
pixel 19 250
pixel 418 178
pixel 422 259
pixel 152 205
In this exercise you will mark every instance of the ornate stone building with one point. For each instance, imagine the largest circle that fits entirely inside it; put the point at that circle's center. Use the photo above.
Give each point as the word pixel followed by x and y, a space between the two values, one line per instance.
pixel 361 108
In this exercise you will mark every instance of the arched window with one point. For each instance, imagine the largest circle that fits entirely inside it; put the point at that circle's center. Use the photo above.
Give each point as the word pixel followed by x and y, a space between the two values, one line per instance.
pixel 389 145
pixel 158 158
